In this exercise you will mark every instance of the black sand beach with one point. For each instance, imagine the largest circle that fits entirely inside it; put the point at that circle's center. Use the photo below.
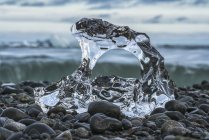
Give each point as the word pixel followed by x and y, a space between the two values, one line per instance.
pixel 185 118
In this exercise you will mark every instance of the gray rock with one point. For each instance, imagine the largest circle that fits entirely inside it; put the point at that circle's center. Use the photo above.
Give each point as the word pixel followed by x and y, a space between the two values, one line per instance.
pixel 136 122
pixel 83 117
pixel 158 110
pixel 5 133
pixel 126 124
pixel 104 107
pixel 66 135
pixel 175 115
pixel 204 107
pixel 100 123
pixel 14 113
pixel 27 121
pixel 38 128
pixel 23 97
pixel 172 127
pixel 159 119
pixel 14 126
pixel 98 138
pixel 15 136
pixel 56 110
pixel 82 132
pixel 175 105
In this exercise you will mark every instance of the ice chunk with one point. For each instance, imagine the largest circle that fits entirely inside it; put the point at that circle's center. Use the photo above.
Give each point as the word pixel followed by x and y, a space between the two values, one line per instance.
pixel 136 97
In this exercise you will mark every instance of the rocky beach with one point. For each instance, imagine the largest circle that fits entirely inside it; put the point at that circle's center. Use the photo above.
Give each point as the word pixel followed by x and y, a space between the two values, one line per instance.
pixel 129 70
pixel 185 118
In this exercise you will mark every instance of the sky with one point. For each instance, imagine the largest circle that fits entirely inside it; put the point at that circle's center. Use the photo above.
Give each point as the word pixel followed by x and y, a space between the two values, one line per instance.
pixel 166 21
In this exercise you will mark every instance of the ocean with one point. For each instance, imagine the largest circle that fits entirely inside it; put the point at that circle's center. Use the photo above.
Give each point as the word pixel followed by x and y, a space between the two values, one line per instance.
pixel 36 43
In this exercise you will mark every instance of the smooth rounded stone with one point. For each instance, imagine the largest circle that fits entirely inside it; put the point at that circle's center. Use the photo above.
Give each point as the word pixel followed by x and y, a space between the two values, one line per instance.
pixel 175 115
pixel 14 126
pixel 172 127
pixel 117 138
pixel 201 122
pixel 142 133
pixel 16 136
pixel 204 107
pixel 99 123
pixel 3 120
pixel 83 117
pixel 10 90
pixel 169 137
pixel 32 84
pixel 151 125
pixel 38 128
pixel 136 122
pixel 104 107
pixel 158 110
pixel 45 136
pixel 33 112
pixel 84 125
pixel 48 121
pixel 14 113
pixel 198 111
pixel 186 99
pixel 24 98
pixel 82 132
pixel 175 105
pixel 5 133
pixel 66 135
pixel 126 124
pixel 159 119
pixel 28 90
pixel 27 121
pixel 57 110
pixel 67 117
pixel 40 116
pixel 34 106
pixel 98 137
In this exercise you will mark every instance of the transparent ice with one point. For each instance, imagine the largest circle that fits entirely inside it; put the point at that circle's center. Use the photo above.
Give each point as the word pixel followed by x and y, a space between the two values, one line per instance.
pixel 136 97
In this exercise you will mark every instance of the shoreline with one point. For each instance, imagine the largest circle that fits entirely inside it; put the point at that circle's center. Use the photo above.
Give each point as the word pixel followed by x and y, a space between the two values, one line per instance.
pixel 187 117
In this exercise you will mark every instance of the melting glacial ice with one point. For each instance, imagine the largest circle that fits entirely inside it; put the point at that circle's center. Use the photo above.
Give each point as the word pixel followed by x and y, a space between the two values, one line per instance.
pixel 136 97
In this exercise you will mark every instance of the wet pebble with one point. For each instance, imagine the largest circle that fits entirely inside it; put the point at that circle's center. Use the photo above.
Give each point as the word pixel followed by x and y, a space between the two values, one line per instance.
pixel 66 135
pixel 5 133
pixel 175 115
pixel 82 132
pixel 14 113
pixel 38 128
pixel 57 110
pixel 104 107
pixel 204 107
pixel 15 136
pixel 82 117
pixel 175 105
pixel 98 137
pixel 158 110
pixel 172 127
pixel 14 126
pixel 27 121
pixel 99 123
pixel 126 124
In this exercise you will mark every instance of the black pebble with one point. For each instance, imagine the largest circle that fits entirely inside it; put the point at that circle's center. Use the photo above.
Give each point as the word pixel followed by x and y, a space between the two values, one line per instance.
pixel 99 123
pixel 158 110
pixel 175 105
pixel 38 128
pixel 104 107
pixel 14 113
pixel 83 117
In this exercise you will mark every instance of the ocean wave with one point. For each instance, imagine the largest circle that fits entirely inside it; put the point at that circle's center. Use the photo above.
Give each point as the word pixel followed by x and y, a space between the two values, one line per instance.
pixel 54 70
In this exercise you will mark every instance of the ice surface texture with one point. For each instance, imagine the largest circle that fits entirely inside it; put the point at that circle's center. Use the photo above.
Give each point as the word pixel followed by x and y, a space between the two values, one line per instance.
pixel 136 97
